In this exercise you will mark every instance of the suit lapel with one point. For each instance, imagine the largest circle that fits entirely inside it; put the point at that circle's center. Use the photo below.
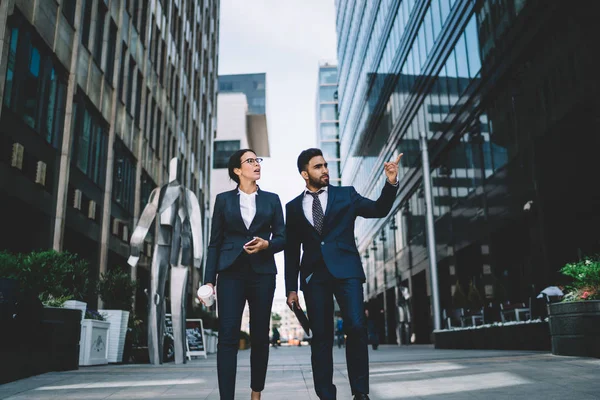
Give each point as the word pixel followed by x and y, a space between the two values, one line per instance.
pixel 300 208
pixel 331 192
pixel 237 211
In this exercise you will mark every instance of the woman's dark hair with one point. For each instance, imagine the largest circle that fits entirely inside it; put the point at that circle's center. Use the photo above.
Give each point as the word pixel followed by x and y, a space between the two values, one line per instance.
pixel 235 161
pixel 305 157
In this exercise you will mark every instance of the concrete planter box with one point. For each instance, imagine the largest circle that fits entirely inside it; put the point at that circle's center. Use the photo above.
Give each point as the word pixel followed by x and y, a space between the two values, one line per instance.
pixel 94 338
pixel 116 333
pixel 575 328
pixel 525 336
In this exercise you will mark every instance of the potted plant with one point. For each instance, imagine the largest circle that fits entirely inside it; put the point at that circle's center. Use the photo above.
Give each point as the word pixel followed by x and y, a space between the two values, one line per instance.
pixel 47 337
pixel 94 339
pixel 575 322
pixel 116 290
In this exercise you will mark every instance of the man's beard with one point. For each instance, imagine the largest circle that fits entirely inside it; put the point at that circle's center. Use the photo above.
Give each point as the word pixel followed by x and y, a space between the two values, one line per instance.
pixel 316 182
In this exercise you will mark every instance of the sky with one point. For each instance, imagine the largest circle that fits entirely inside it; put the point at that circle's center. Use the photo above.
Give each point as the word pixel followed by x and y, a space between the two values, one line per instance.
pixel 286 39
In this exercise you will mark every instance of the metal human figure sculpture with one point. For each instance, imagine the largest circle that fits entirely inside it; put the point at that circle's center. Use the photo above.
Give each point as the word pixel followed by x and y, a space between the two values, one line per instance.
pixel 179 244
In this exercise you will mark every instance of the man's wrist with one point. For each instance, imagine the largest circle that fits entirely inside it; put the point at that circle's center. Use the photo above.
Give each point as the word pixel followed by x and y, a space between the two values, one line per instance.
pixel 396 183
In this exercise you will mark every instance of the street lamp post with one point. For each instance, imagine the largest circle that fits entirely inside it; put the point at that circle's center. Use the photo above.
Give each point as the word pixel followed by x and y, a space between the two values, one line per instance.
pixel 430 233
pixel 385 315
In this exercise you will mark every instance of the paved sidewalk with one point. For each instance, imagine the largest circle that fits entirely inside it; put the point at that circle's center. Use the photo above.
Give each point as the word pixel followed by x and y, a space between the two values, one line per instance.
pixel 414 372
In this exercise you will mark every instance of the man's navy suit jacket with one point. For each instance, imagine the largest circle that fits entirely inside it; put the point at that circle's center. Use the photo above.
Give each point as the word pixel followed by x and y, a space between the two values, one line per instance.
pixel 229 233
pixel 336 245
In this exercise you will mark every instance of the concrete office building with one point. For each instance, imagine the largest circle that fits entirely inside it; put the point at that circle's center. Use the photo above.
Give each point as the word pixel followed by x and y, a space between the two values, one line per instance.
pixel 506 92
pixel 328 139
pixel 97 97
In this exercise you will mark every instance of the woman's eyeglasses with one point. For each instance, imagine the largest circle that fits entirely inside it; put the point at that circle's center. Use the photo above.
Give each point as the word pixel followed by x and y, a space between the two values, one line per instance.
pixel 253 161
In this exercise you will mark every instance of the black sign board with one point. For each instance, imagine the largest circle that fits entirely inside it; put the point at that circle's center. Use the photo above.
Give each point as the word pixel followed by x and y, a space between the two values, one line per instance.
pixel 196 342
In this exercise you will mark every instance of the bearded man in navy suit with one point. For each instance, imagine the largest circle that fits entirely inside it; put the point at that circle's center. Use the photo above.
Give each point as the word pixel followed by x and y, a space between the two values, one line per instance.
pixel 321 220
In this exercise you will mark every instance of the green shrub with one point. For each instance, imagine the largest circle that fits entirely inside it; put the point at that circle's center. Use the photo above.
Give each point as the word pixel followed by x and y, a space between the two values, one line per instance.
pixel 53 274
pixel 9 265
pixel 56 302
pixel 586 280
pixel 50 274
pixel 116 289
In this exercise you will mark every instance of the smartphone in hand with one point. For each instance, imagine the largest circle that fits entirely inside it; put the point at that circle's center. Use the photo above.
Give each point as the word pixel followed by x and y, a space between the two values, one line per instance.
pixel 253 241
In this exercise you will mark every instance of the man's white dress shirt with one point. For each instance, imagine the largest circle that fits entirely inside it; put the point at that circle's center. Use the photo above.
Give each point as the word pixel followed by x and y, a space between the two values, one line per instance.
pixel 307 203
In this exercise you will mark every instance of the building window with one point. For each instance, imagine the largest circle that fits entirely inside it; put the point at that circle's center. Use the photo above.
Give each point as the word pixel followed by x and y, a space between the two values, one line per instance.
pixel 54 103
pixel 152 126
pixel 110 52
pixel 124 177
pixel 144 20
pixel 99 39
pixel 158 129
pixel 329 131
pixel 10 70
pixel 146 122
pixel 122 61
pixel 328 76
pixel 135 12
pixel 330 150
pixel 327 94
pixel 90 142
pixel 34 89
pixel 138 98
pixel 68 10
pixel 225 86
pixel 329 112
pixel 86 22
pixel 147 186
pixel 31 87
pixel 223 150
pixel 130 92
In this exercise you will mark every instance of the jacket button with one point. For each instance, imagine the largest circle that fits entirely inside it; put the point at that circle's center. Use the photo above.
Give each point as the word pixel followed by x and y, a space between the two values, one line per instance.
pixel 322 243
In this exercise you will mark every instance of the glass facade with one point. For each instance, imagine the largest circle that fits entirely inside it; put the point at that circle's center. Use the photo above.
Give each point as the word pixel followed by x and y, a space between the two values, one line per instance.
pixel 254 86
pixel 490 111
pixel 327 119
pixel 36 86
pixel 223 150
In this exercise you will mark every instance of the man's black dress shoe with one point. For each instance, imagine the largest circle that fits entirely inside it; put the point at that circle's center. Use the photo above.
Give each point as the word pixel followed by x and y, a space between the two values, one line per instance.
pixel 361 396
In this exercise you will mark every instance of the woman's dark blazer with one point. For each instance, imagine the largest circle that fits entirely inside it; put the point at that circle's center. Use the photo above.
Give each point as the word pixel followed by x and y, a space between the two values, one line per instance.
pixel 229 233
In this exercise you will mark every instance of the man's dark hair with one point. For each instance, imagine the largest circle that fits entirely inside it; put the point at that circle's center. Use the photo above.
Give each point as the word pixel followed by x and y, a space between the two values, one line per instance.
pixel 235 161
pixel 305 157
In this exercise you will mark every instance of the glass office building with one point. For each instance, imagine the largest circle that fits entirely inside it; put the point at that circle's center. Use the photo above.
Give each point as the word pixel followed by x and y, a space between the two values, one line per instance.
pixel 505 91
pixel 254 86
pixel 328 139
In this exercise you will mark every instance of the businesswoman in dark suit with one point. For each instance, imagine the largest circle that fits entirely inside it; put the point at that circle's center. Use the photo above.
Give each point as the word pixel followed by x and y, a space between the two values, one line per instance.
pixel 247 230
